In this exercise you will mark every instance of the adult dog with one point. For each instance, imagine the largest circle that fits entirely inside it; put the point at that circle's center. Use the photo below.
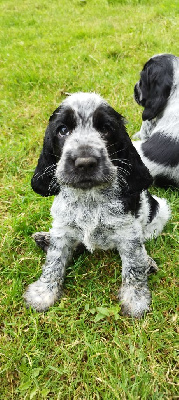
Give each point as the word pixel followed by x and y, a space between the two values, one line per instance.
pixel 100 183
pixel 158 92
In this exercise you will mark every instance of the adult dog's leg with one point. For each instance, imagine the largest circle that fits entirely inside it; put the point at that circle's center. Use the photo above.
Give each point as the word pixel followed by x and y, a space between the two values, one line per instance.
pixel 134 293
pixel 48 288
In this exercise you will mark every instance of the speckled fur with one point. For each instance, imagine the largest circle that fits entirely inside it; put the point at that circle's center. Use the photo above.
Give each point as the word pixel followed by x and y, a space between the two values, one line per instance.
pixel 97 217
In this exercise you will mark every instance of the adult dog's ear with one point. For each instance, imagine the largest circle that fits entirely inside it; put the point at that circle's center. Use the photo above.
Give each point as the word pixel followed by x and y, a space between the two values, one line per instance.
pixel 156 80
pixel 44 181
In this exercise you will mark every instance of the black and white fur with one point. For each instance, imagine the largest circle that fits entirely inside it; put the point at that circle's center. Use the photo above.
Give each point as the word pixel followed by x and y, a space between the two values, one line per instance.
pixel 100 183
pixel 158 92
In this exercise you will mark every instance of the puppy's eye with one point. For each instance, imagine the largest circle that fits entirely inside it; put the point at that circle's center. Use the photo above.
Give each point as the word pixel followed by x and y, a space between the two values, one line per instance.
pixel 63 130
pixel 106 130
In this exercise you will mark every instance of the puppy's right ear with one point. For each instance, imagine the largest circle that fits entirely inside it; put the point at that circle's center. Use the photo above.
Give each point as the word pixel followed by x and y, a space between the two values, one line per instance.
pixel 44 181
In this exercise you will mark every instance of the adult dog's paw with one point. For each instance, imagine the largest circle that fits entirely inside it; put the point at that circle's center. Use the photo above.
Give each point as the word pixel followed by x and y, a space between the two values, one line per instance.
pixel 41 295
pixel 135 301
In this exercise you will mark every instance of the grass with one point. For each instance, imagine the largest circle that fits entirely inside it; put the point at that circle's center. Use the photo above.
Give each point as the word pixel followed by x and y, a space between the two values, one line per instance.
pixel 82 348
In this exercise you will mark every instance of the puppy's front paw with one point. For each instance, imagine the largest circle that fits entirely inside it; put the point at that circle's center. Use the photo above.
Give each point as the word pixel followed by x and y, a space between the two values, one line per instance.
pixel 42 239
pixel 152 266
pixel 41 295
pixel 135 301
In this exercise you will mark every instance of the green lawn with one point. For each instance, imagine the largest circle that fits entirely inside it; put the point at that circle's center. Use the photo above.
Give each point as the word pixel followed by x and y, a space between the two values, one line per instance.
pixel 82 348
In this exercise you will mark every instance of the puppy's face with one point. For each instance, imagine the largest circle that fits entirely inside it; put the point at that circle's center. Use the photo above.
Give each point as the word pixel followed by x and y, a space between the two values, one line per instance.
pixel 82 140
pixel 86 145
pixel 154 87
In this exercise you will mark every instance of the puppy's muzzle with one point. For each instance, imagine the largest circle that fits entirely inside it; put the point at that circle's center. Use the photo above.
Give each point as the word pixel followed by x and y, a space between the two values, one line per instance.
pixel 85 167
pixel 86 164
pixel 85 170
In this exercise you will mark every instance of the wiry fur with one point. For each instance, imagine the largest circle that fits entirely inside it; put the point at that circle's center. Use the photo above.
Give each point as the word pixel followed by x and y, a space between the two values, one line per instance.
pixel 158 92
pixel 102 200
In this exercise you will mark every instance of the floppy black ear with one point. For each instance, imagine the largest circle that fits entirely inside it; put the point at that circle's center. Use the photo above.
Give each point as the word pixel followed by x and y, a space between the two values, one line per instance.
pixel 133 175
pixel 138 177
pixel 156 79
pixel 44 181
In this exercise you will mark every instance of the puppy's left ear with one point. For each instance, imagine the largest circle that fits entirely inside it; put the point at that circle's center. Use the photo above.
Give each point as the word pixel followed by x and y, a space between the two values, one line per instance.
pixel 138 177
pixel 133 175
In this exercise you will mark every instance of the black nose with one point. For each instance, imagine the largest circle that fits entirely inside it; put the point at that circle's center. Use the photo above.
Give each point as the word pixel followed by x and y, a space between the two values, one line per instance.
pixel 85 163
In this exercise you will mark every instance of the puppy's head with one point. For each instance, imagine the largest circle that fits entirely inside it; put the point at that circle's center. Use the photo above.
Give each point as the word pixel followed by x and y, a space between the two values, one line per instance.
pixel 86 145
pixel 153 89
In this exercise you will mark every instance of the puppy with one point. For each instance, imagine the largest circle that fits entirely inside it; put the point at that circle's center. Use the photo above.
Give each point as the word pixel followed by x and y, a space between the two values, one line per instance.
pixel 100 183
pixel 158 92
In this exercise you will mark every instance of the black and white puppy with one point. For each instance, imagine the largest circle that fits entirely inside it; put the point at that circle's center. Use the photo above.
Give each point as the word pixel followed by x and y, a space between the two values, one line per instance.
pixel 100 183
pixel 158 92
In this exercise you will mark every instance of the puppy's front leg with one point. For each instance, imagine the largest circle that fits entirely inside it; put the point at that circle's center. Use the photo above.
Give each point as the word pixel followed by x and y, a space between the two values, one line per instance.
pixel 134 293
pixel 48 288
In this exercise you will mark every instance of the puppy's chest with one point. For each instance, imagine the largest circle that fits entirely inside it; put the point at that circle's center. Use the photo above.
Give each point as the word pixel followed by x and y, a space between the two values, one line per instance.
pixel 94 221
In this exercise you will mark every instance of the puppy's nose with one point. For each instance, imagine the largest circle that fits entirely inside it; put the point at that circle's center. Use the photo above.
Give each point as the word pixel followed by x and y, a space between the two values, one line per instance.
pixel 85 163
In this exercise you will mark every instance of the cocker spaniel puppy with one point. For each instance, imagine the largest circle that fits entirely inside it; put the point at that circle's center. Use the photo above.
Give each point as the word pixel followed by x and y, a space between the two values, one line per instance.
pixel 100 183
pixel 158 92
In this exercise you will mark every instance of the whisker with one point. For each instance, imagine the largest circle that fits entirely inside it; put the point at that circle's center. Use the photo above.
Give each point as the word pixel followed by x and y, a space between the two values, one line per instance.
pixel 122 181
pixel 54 155
pixel 127 165
pixel 46 171
pixel 120 169
pixel 110 145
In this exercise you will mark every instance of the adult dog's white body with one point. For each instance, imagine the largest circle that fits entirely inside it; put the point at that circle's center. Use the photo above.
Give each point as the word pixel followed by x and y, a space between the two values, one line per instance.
pixel 158 92
pixel 101 200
